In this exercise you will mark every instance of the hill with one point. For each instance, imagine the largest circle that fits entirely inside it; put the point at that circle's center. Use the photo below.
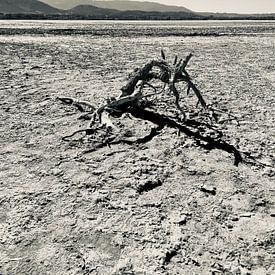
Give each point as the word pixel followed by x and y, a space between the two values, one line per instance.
pixel 91 12
pixel 26 6
pixel 121 5
pixel 88 10
pixel 118 10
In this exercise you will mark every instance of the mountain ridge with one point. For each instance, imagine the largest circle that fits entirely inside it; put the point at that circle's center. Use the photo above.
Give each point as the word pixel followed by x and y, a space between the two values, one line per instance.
pixel 121 5
pixel 27 6
pixel 35 9
pixel 101 13
pixel 90 10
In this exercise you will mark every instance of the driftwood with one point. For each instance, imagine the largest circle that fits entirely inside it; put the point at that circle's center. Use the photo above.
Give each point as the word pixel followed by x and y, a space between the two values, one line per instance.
pixel 132 93
pixel 155 79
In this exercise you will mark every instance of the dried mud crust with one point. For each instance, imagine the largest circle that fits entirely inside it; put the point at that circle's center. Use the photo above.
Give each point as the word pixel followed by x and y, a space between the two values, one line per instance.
pixel 167 207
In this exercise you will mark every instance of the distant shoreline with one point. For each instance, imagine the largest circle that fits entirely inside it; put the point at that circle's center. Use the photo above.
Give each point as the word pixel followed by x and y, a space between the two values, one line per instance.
pixel 138 28
pixel 132 17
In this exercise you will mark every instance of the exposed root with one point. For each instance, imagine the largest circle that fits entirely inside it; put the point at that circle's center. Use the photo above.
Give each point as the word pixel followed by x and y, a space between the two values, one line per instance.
pixel 157 79
pixel 82 106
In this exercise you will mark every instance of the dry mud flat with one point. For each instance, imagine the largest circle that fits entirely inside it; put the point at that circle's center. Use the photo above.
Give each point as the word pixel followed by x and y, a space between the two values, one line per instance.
pixel 165 207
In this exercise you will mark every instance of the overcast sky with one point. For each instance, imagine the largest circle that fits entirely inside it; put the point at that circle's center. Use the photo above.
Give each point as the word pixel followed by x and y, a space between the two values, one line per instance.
pixel 241 6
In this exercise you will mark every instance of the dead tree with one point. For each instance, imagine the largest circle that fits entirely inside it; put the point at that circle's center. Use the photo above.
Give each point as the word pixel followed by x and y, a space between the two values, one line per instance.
pixel 159 79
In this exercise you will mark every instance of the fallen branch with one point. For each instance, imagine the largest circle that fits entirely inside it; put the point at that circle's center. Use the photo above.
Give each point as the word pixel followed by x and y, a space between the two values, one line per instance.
pixel 82 106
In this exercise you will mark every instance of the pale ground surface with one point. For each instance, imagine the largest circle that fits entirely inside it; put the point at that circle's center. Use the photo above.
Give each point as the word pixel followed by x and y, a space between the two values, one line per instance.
pixel 62 212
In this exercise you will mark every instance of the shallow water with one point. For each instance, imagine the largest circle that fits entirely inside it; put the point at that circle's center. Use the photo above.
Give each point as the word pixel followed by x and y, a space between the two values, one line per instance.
pixel 138 28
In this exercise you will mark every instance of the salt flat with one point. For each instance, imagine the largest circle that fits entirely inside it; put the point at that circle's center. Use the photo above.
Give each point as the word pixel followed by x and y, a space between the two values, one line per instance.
pixel 64 212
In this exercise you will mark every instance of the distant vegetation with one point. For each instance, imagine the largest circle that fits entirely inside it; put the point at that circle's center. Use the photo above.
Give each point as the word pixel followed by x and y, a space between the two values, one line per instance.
pixel 129 16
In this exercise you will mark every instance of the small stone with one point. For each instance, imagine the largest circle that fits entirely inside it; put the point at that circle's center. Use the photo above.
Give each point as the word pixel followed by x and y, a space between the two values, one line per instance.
pixel 191 172
pixel 209 189
pixel 148 185
pixel 246 215
pixel 57 172
pixel 91 218
pixel 182 220
pixel 97 172
pixel 234 218
pixel 230 226
pixel 216 214
pixel 269 172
